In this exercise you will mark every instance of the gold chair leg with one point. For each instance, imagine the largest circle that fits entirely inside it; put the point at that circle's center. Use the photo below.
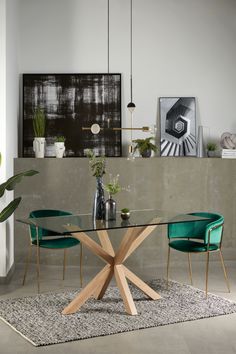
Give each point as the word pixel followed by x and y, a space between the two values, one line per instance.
pixel 28 259
pixel 64 264
pixel 224 270
pixel 38 267
pixel 81 265
pixel 207 268
pixel 190 268
pixel 168 266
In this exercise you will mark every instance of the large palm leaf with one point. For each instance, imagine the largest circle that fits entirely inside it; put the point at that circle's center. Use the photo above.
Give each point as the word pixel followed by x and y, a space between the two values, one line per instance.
pixel 9 185
pixel 6 212
pixel 11 182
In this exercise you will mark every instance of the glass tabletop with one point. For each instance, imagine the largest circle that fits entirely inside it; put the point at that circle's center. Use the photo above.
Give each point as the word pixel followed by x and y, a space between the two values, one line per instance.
pixel 84 222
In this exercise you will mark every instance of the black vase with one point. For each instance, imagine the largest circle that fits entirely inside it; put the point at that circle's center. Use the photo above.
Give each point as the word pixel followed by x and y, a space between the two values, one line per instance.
pixel 110 209
pixel 99 201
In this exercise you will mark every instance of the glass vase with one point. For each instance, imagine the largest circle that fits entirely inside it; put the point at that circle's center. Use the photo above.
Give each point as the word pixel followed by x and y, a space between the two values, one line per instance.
pixel 99 201
pixel 110 209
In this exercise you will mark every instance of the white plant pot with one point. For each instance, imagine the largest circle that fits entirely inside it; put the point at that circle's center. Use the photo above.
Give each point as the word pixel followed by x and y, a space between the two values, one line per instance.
pixel 39 147
pixel 59 149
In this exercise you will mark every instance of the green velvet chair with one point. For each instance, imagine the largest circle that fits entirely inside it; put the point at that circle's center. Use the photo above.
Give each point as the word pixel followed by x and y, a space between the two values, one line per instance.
pixel 198 237
pixel 49 240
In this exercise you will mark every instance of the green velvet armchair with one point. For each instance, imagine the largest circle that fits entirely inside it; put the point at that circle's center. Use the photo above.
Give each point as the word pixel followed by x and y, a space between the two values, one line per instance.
pixel 42 238
pixel 198 237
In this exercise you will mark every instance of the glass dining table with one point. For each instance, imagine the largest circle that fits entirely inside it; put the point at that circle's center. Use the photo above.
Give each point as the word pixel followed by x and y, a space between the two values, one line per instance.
pixel 136 229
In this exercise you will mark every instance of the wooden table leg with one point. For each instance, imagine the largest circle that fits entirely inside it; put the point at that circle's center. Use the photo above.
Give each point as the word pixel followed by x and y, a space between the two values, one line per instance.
pixel 132 239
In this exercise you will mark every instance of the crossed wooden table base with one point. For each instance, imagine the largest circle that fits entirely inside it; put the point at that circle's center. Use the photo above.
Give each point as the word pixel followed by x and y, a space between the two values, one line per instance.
pixel 97 287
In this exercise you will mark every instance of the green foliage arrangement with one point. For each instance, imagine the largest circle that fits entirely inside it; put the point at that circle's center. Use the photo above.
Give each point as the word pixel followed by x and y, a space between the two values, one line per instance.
pixel 113 186
pixel 211 146
pixel 60 139
pixel 9 186
pixel 144 144
pixel 125 210
pixel 39 123
pixel 97 164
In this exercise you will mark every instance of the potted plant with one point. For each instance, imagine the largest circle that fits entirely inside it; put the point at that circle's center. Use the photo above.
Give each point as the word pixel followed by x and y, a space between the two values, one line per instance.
pixel 59 146
pixel 145 146
pixel 112 188
pixel 211 149
pixel 125 213
pixel 39 123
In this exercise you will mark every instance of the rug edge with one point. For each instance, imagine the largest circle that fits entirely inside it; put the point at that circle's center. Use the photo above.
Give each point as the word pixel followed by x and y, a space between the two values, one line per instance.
pixel 21 334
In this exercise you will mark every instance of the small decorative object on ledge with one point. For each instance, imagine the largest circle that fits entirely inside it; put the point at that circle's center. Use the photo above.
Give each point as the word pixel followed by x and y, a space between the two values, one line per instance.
pixel 59 146
pixel 98 168
pixel 125 213
pixel 112 188
pixel 228 141
pixel 211 149
pixel 228 144
pixel 39 122
pixel 145 146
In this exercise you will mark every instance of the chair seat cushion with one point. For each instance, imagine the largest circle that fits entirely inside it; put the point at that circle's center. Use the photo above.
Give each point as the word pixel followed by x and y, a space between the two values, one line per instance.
pixel 191 246
pixel 62 242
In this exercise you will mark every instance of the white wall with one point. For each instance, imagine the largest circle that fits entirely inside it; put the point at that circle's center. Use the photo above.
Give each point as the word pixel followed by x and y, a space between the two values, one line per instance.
pixel 181 47
pixel 9 98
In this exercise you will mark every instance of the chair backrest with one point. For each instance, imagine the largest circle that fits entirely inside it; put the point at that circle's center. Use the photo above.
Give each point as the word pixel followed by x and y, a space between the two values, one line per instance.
pixel 199 229
pixel 41 214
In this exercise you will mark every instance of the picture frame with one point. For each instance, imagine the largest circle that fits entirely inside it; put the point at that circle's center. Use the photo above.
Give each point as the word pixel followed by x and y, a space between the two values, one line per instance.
pixel 71 102
pixel 177 126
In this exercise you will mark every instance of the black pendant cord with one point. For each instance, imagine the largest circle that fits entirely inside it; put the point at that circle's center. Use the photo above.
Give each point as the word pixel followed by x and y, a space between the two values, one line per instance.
pixel 108 59
pixel 131 105
pixel 108 36
pixel 131 50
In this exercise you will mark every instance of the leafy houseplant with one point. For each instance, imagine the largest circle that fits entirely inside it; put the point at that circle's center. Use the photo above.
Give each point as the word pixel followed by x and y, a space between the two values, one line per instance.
pixel 98 169
pixel 39 123
pixel 9 186
pixel 125 213
pixel 59 146
pixel 60 139
pixel 112 188
pixel 145 146
pixel 97 164
pixel 211 149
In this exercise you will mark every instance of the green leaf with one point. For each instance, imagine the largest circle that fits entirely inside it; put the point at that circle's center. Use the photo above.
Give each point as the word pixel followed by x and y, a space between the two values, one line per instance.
pixel 11 182
pixel 10 208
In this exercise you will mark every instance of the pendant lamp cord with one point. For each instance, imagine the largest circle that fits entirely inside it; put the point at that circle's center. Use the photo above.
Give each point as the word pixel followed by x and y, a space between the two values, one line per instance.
pixel 108 36
pixel 131 50
pixel 108 60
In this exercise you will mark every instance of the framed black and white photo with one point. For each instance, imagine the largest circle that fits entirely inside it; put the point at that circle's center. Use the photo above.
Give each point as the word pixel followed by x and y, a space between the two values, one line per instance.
pixel 178 126
pixel 70 103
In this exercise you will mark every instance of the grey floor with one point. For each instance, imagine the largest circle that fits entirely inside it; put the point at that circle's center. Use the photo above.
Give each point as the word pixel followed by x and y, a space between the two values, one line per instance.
pixel 215 335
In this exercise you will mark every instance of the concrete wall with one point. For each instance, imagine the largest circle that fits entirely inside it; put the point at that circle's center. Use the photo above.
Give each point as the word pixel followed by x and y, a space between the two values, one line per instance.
pixel 175 184
pixel 180 48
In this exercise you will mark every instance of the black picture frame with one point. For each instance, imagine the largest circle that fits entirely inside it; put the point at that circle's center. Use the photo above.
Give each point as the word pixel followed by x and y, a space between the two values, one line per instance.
pixel 72 101
pixel 177 126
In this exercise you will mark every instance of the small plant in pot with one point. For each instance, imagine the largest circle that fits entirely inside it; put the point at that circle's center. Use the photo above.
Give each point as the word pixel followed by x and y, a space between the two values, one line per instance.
pixel 125 213
pixel 39 123
pixel 145 146
pixel 211 149
pixel 59 146
pixel 112 188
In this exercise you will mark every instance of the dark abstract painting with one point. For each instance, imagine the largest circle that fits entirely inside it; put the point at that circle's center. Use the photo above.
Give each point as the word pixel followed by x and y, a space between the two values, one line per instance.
pixel 71 102
pixel 178 126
